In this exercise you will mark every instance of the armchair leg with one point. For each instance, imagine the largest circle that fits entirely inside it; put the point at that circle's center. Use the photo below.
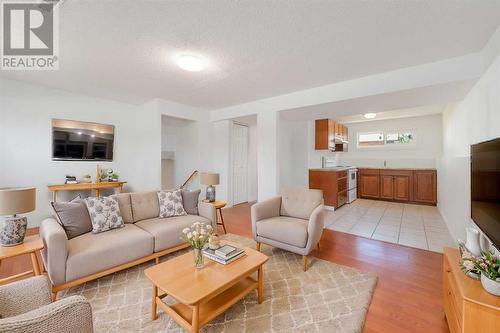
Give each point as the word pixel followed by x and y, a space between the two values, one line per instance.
pixel 258 246
pixel 157 260
pixel 304 263
pixel 53 296
pixel 318 245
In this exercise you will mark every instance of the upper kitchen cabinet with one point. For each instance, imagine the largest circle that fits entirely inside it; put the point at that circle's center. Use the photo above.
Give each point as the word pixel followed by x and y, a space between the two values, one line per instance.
pixel 330 135
pixel 324 134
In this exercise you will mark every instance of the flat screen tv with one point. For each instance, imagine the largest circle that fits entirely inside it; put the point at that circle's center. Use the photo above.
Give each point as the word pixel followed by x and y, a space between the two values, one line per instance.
pixel 82 141
pixel 485 188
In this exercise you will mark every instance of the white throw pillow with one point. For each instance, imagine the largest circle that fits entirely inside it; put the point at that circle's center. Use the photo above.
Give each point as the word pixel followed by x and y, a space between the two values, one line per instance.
pixel 171 203
pixel 104 213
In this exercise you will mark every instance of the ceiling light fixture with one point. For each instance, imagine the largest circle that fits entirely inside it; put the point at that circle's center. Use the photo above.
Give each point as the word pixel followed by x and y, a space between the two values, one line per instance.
pixel 370 115
pixel 190 63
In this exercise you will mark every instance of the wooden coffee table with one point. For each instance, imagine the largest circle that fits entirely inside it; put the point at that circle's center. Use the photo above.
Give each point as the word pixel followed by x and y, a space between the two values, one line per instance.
pixel 203 294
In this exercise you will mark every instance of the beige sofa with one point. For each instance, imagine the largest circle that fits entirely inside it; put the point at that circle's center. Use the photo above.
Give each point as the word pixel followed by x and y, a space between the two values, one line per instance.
pixel 144 237
pixel 293 221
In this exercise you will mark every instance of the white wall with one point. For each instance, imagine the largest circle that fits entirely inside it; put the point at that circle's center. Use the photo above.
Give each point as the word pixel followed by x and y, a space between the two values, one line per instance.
pixel 422 154
pixel 25 133
pixel 268 162
pixel 475 119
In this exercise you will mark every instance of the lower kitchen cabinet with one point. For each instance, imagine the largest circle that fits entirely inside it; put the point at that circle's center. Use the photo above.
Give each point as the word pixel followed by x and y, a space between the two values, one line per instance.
pixel 402 185
pixel 334 185
pixel 425 186
pixel 369 184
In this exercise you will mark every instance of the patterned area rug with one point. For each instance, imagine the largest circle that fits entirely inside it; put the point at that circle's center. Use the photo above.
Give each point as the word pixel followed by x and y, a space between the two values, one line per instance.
pixel 326 298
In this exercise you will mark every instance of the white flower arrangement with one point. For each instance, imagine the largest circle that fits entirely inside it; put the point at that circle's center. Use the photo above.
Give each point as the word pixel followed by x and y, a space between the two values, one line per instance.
pixel 197 235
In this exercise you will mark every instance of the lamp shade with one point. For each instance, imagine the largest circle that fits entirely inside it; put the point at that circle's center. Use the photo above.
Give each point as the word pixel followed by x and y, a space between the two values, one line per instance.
pixel 209 178
pixel 17 200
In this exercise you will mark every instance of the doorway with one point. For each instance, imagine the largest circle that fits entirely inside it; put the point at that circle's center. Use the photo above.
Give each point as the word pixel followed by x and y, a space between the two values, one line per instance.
pixel 239 153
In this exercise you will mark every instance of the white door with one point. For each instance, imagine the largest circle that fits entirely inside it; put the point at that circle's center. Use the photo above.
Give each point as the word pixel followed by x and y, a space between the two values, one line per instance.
pixel 240 163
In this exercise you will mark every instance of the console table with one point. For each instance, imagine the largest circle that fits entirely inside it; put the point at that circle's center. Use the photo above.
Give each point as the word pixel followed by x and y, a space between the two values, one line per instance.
pixel 85 186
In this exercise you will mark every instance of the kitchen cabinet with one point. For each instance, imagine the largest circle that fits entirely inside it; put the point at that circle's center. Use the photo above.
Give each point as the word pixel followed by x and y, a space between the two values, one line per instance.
pixel 402 185
pixel 333 183
pixel 324 134
pixel 330 135
pixel 425 186
pixel 369 183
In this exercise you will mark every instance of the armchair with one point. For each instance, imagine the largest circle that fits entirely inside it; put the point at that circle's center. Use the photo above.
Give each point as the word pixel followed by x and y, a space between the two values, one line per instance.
pixel 293 221
pixel 25 307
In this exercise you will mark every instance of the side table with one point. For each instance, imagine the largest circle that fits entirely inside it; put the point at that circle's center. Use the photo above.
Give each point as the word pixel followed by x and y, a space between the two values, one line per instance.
pixel 31 245
pixel 218 209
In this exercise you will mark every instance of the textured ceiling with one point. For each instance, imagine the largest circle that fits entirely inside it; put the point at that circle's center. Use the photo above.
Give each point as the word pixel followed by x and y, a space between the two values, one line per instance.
pixel 123 49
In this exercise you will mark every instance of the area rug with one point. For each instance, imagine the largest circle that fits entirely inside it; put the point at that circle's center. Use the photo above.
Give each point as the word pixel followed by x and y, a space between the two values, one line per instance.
pixel 326 298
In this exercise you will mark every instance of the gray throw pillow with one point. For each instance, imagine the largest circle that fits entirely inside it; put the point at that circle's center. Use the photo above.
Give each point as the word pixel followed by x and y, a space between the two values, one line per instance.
pixel 104 213
pixel 73 216
pixel 190 201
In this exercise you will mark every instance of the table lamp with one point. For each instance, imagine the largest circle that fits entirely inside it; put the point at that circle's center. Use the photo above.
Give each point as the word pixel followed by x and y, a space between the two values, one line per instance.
pixel 210 179
pixel 13 201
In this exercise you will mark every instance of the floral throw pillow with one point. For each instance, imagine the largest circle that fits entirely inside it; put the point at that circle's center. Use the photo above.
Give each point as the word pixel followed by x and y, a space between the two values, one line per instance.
pixel 104 213
pixel 171 203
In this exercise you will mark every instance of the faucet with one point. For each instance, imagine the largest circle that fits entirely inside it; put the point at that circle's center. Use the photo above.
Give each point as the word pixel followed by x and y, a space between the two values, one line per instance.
pixel 385 163
pixel 323 162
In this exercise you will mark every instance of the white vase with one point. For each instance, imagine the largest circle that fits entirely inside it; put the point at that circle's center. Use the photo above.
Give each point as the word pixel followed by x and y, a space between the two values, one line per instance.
pixel 491 286
pixel 472 244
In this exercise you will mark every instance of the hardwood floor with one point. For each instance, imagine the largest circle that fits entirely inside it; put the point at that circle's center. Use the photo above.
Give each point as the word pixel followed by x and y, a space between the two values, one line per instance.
pixel 408 293
pixel 408 296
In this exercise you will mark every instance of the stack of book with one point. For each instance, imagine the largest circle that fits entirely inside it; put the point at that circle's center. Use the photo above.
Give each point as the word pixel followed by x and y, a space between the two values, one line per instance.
pixel 224 254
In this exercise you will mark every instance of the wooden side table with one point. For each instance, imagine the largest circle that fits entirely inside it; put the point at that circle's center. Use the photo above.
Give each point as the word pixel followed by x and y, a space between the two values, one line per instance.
pixel 218 209
pixel 31 245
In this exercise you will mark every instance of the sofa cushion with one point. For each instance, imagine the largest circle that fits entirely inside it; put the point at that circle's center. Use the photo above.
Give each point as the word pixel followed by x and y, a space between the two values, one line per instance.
pixel 170 203
pixel 125 204
pixel 73 216
pixel 190 201
pixel 167 231
pixel 145 205
pixel 91 253
pixel 284 229
pixel 300 202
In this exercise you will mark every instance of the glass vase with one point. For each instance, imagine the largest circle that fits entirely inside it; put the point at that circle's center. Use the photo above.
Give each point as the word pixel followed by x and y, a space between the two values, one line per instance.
pixel 198 258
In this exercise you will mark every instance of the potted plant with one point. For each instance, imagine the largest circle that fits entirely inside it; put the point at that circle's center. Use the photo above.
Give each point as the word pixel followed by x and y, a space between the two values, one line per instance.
pixel 114 177
pixel 197 236
pixel 489 265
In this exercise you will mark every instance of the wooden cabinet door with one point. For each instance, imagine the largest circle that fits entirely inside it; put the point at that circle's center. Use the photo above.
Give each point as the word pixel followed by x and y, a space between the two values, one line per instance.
pixel 401 188
pixel 424 186
pixel 387 187
pixel 321 134
pixel 345 135
pixel 370 186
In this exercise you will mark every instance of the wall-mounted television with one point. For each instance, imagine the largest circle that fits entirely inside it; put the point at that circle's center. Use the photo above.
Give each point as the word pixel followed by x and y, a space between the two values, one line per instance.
pixel 485 188
pixel 82 141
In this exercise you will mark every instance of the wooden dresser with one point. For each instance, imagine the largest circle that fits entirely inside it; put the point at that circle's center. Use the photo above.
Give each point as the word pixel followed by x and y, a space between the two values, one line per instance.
pixel 468 307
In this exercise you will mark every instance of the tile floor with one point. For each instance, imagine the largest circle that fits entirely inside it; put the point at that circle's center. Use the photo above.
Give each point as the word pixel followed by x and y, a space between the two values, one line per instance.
pixel 411 225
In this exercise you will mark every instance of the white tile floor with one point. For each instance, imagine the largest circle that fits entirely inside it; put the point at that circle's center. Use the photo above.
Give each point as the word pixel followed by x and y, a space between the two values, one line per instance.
pixel 411 225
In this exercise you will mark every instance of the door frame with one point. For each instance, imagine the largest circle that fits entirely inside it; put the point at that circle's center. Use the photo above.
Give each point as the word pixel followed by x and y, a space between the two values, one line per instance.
pixel 231 162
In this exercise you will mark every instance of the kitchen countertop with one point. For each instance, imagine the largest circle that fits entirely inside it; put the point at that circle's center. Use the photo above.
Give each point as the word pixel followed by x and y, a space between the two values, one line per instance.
pixel 382 168
pixel 370 168
pixel 331 169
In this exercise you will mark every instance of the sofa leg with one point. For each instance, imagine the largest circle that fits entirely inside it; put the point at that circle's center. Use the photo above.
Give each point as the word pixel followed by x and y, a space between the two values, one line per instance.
pixel 304 263
pixel 53 296
pixel 258 246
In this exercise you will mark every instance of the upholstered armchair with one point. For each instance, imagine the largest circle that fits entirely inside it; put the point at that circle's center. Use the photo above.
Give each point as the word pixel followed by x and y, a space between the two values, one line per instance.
pixel 25 307
pixel 293 221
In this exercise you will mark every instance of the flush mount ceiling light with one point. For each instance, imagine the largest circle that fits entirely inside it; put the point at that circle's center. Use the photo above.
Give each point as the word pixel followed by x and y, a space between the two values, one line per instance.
pixel 370 115
pixel 190 63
